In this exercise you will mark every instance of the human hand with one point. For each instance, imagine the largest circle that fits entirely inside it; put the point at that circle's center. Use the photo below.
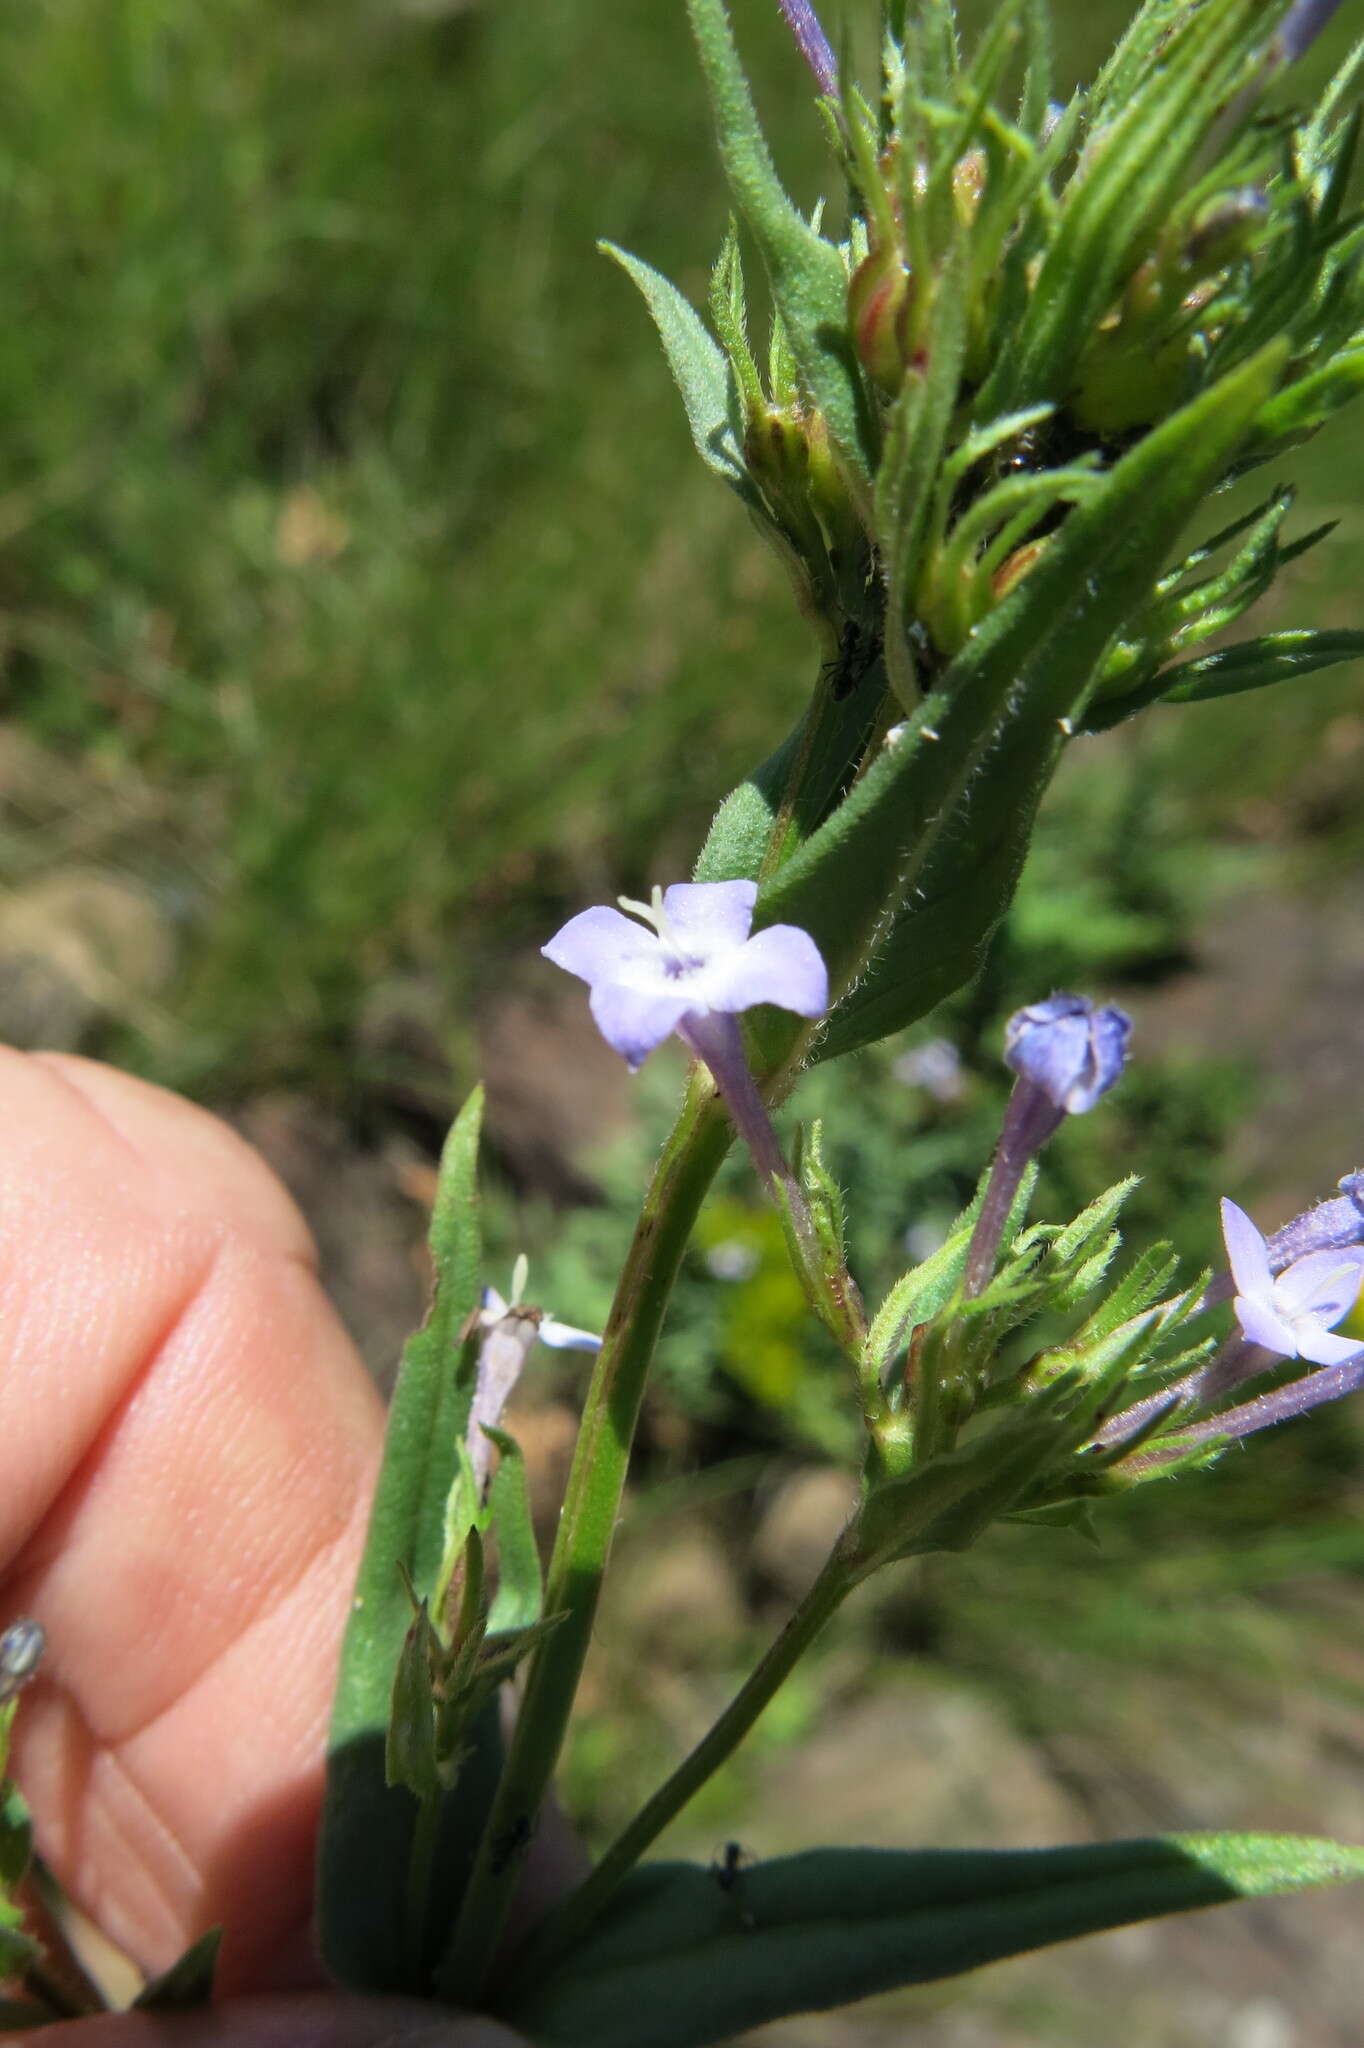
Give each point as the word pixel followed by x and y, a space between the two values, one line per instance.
pixel 188 1443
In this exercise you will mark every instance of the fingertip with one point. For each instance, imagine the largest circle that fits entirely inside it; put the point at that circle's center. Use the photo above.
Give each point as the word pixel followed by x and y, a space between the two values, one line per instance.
pixel 195 1160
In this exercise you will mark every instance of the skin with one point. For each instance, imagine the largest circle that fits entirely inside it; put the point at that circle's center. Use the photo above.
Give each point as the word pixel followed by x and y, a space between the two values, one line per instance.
pixel 188 1443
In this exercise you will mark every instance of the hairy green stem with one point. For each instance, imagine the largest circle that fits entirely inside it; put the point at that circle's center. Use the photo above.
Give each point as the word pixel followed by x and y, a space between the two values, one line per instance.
pixel 587 1524
pixel 836 1580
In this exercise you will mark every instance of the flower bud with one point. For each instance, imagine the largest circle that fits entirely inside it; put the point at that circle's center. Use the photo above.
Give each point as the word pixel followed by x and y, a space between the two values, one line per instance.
pixel 1069 1049
pixel 1224 229
pixel 1066 1053
pixel 1015 567
pixel 879 298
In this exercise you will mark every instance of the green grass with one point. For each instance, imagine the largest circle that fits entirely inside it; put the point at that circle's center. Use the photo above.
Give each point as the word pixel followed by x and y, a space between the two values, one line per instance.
pixel 347 513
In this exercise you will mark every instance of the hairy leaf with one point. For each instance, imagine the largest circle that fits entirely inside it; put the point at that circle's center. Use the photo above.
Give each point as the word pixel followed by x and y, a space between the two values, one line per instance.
pixel 367 1825
pixel 809 282
pixel 700 372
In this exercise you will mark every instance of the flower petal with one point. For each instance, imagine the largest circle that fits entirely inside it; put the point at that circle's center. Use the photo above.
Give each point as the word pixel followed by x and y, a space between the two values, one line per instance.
pixel 599 943
pixel 781 965
pixel 633 1021
pixel 1246 1254
pixel 1323 1285
pixel 710 916
pixel 563 1337
pixel 1321 1348
pixel 1260 1325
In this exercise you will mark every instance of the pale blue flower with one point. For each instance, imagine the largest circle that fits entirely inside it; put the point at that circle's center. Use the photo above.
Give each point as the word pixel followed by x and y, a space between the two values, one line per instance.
pixel 559 1336
pixel 698 962
pixel 1294 1314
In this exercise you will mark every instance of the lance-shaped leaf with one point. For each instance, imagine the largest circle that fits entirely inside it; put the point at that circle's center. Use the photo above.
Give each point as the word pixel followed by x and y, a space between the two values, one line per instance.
pixel 520 1586
pixel 808 278
pixel 1120 196
pixel 1249 665
pixel 939 935
pixel 367 1824
pixel 707 1955
pixel 700 372
pixel 1025 670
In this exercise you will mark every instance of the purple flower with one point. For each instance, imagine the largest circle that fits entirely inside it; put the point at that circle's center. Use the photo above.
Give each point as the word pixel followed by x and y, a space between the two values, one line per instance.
pixel 814 44
pixel 1293 1315
pixel 1068 1048
pixel 698 962
pixel 1066 1054
pixel 1302 25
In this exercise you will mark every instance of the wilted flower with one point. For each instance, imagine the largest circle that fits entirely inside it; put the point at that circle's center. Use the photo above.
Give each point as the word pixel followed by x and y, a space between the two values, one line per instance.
pixel 697 962
pixel 509 1333
pixel 1294 1314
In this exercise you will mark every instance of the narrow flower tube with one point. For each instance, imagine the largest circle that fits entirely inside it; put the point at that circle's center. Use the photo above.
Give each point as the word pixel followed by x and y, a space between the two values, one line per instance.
pixel 1302 25
pixel 1066 1053
pixel 803 23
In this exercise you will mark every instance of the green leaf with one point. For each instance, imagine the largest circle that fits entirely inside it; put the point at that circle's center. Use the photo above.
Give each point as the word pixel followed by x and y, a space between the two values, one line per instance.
pixel 706 1960
pixel 927 1288
pixel 16 2014
pixel 1251 664
pixel 16 1829
pixel 1248 665
pixel 1134 168
pixel 1013 688
pixel 410 1752
pixel 914 447
pixel 809 282
pixel 938 938
pixel 520 1584
pixel 367 1825
pixel 700 371
pixel 188 1982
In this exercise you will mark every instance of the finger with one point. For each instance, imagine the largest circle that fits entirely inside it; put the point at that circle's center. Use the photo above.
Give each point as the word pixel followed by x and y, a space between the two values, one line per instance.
pixel 284 2023
pixel 187 1446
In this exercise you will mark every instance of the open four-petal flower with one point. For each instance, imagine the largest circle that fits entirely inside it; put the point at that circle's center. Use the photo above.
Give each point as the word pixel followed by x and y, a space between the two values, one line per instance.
pixel 699 961
pixel 1294 1314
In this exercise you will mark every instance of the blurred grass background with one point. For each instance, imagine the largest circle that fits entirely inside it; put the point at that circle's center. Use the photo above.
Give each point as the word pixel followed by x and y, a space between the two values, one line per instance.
pixel 363 610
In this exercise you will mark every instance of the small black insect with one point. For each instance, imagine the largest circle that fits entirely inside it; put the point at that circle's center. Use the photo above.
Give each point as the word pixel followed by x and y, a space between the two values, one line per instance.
pixel 728 1865
pixel 858 648
pixel 728 1870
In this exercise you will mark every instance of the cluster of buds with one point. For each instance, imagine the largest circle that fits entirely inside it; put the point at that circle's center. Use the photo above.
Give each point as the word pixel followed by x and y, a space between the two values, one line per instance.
pixel 692 965
pixel 1038 283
